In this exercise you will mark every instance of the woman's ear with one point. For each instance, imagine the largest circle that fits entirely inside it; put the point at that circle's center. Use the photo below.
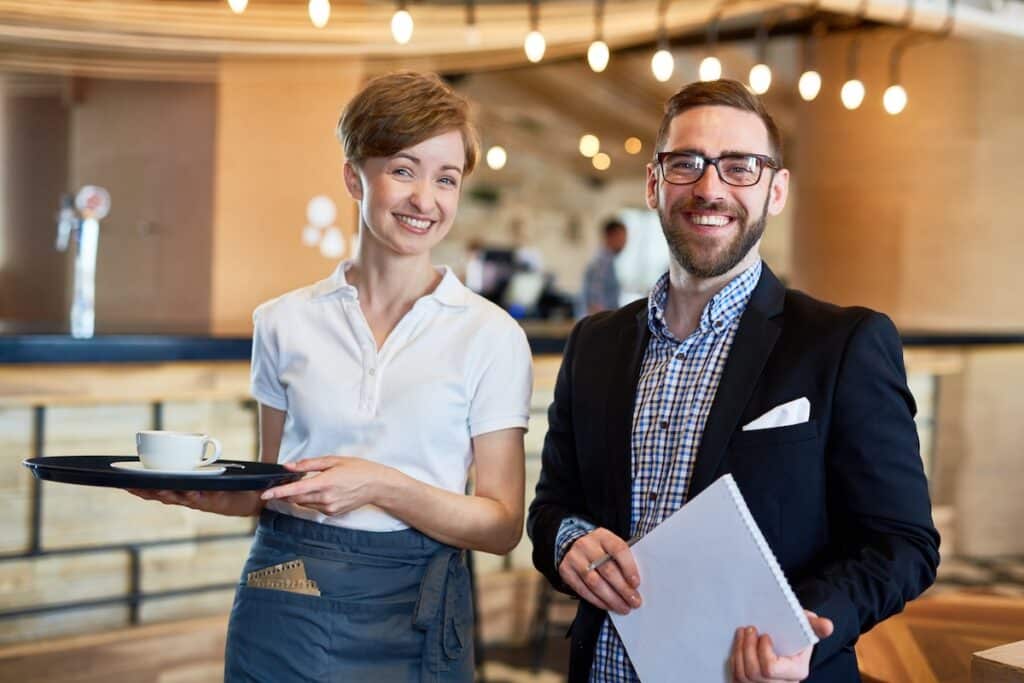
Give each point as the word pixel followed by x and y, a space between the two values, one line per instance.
pixel 353 183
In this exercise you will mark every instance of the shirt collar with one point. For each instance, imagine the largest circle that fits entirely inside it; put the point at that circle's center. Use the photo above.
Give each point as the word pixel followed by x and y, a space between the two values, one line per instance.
pixel 718 315
pixel 449 292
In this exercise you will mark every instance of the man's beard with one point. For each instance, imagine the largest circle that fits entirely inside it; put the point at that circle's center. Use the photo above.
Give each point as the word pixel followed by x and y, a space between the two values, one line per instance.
pixel 693 252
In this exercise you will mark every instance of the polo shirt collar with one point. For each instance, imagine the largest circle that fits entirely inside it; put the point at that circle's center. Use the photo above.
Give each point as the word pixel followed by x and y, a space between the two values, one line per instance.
pixel 449 292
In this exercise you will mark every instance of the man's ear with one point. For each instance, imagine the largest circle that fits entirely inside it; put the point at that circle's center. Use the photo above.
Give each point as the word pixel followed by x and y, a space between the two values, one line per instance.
pixel 779 191
pixel 651 187
pixel 353 183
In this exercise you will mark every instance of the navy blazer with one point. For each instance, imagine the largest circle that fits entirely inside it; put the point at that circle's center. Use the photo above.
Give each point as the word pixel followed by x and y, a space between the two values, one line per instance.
pixel 841 499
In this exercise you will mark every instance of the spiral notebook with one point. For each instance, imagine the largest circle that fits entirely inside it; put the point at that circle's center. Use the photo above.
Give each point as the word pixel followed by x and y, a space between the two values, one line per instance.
pixel 705 571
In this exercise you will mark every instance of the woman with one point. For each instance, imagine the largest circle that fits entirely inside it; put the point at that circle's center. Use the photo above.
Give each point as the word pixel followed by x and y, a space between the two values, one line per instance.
pixel 390 346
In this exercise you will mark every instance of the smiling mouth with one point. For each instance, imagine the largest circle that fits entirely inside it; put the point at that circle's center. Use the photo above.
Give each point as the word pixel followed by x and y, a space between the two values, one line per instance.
pixel 709 220
pixel 417 225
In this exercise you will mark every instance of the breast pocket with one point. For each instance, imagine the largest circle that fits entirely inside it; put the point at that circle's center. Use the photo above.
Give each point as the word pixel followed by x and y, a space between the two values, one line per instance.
pixel 775 436
pixel 780 472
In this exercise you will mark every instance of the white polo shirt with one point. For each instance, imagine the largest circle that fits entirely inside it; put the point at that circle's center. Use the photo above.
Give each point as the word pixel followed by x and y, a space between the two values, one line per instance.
pixel 456 366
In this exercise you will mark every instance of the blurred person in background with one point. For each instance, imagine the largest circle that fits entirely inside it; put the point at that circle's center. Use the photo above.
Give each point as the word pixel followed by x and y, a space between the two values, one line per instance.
pixel 601 289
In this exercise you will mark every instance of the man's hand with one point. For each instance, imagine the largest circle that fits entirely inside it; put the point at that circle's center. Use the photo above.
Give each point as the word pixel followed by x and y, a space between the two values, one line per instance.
pixel 753 658
pixel 612 586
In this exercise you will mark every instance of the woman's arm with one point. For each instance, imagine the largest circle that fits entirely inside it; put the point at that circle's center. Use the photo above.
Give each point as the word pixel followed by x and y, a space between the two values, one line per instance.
pixel 491 519
pixel 231 503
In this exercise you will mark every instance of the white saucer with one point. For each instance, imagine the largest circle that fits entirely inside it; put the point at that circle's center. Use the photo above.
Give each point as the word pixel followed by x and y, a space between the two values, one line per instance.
pixel 138 468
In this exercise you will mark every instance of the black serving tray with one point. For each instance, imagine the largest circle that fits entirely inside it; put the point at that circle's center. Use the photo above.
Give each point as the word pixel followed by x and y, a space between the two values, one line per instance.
pixel 95 470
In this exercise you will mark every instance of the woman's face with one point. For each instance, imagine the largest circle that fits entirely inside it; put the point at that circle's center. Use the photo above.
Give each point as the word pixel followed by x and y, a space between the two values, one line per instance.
pixel 408 201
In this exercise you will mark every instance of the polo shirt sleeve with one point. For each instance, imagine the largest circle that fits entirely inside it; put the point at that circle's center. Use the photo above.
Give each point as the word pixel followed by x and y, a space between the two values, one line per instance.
pixel 265 383
pixel 502 396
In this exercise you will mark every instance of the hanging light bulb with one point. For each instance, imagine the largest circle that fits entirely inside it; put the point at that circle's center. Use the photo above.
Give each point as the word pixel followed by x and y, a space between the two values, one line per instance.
pixel 662 65
pixel 852 94
pixel 598 56
pixel 760 78
pixel 238 6
pixel 598 53
pixel 401 25
pixel 534 44
pixel 319 12
pixel 895 99
pixel 497 157
pixel 809 85
pixel 710 69
pixel 472 32
pixel 589 145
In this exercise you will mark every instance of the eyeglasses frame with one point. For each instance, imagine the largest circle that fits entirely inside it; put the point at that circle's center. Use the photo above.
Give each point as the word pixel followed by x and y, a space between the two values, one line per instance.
pixel 766 162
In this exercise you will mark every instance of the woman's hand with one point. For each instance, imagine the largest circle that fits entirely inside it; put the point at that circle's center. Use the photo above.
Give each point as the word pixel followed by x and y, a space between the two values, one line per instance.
pixel 335 484
pixel 232 503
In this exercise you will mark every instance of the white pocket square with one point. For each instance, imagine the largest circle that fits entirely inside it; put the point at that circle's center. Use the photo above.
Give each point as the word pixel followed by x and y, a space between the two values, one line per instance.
pixel 794 412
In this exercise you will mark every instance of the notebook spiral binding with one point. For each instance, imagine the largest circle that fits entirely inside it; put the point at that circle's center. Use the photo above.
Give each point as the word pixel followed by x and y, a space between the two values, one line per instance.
pixel 769 558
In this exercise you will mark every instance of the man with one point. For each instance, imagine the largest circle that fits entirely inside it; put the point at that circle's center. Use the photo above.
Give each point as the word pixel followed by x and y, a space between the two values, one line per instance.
pixel 651 401
pixel 601 290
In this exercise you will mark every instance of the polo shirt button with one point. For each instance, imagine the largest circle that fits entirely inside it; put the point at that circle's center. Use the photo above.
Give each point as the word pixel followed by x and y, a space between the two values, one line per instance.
pixel 373 371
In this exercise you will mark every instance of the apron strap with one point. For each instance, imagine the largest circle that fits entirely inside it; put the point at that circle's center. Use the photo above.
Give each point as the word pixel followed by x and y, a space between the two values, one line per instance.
pixel 444 609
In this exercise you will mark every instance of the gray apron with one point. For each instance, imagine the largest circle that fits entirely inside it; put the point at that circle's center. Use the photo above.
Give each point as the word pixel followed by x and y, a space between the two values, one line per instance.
pixel 394 606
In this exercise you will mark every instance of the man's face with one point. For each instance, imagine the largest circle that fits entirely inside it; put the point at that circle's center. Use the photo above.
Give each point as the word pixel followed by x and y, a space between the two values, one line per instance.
pixel 713 228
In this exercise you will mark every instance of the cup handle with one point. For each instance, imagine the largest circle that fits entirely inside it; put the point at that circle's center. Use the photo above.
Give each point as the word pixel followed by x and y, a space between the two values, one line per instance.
pixel 216 451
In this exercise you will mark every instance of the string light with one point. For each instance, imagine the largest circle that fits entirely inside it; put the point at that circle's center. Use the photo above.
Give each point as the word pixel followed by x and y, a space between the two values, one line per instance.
pixel 589 145
pixel 496 157
pixel 238 6
pixel 662 63
pixel 534 45
pixel 598 53
pixel 319 12
pixel 601 161
pixel 401 24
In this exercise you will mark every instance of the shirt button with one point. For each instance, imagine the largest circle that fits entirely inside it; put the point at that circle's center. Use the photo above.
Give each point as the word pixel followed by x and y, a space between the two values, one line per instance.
pixel 654 495
pixel 680 356
pixel 664 424
pixel 373 371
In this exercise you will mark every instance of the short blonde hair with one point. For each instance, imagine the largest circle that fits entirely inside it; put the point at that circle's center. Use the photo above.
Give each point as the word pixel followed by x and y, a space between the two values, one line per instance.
pixel 400 110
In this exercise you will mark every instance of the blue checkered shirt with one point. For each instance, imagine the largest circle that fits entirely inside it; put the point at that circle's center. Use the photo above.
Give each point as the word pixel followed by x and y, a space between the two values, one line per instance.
pixel 678 381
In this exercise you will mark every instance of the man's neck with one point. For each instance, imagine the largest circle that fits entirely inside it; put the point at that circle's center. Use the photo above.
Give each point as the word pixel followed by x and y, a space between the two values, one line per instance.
pixel 689 294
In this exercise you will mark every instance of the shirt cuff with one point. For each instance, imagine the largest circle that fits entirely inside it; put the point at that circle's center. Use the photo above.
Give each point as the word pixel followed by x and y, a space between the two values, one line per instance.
pixel 569 531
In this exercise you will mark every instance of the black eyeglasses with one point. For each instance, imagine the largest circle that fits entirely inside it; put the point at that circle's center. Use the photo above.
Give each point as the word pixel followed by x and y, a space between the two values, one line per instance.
pixel 738 170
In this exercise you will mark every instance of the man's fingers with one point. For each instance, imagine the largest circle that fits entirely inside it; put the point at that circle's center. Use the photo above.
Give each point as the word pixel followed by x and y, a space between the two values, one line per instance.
pixel 766 658
pixel 574 582
pixel 751 667
pixel 602 589
pixel 612 573
pixel 822 626
pixel 739 672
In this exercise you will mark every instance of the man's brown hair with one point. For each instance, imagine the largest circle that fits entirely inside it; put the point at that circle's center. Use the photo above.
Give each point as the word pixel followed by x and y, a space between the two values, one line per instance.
pixel 400 110
pixel 720 93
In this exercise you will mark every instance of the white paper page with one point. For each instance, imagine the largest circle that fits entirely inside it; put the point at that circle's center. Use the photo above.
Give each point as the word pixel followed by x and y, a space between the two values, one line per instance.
pixel 702 576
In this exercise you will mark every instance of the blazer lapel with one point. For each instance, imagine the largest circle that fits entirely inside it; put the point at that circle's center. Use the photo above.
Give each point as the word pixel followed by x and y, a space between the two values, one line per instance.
pixel 624 376
pixel 755 338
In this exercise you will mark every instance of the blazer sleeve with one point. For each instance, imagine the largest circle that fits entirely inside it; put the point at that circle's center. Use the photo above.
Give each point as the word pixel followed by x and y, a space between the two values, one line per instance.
pixel 559 492
pixel 886 546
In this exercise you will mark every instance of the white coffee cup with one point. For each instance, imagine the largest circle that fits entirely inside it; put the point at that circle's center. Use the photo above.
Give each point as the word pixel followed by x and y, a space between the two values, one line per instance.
pixel 159 450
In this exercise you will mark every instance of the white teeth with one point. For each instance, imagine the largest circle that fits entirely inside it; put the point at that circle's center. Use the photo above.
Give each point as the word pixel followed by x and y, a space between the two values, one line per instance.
pixel 416 223
pixel 710 220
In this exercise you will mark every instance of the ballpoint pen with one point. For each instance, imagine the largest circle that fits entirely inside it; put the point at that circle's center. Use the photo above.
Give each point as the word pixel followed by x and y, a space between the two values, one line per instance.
pixel 601 560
